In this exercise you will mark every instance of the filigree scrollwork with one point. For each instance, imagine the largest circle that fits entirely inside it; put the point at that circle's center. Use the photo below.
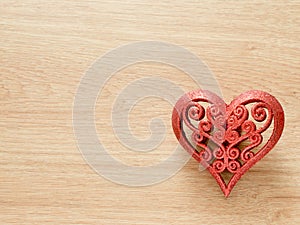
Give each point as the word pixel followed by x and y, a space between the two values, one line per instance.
pixel 227 137
pixel 227 130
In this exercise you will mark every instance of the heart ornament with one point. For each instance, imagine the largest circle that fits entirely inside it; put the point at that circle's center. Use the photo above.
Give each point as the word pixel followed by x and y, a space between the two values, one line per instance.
pixel 227 139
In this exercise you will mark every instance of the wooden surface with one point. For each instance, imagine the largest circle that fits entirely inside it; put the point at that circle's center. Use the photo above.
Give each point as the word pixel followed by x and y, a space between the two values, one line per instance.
pixel 46 47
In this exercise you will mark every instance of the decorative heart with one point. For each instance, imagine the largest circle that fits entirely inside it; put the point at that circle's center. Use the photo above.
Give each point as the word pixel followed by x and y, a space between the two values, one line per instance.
pixel 227 139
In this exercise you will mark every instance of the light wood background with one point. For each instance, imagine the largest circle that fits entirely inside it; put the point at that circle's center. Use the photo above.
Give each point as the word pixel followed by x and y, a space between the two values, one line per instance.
pixel 46 47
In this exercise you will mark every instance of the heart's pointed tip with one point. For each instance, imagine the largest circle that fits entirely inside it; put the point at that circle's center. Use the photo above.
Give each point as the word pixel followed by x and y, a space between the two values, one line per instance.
pixel 226 195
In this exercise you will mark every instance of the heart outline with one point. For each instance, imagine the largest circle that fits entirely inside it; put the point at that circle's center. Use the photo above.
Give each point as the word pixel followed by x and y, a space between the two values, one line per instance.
pixel 243 99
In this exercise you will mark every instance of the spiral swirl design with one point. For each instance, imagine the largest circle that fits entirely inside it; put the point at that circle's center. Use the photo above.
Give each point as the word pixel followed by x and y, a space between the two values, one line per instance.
pixel 214 110
pixel 220 121
pixel 205 126
pixel 259 112
pixel 219 136
pixel 196 111
pixel 233 166
pixel 232 135
pixel 193 111
pixel 197 137
pixel 219 153
pixel 231 120
pixel 247 155
pixel 256 138
pixel 206 155
pixel 233 153
pixel 219 166
pixel 239 111
pixel 248 126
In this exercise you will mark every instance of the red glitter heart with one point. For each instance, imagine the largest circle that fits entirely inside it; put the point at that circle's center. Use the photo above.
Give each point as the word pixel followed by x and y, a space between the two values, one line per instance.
pixel 227 139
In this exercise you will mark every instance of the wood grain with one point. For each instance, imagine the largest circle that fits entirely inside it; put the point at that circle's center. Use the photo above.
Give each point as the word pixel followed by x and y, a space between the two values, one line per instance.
pixel 46 47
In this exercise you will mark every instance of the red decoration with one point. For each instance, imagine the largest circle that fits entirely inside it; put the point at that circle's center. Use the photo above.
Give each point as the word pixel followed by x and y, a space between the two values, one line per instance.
pixel 223 138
